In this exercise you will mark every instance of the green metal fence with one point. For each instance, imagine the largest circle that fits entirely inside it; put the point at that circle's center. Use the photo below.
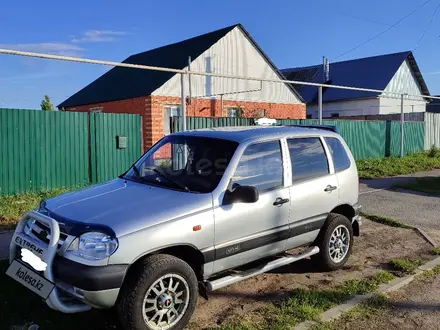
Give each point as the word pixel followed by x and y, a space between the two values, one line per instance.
pixel 107 161
pixel 42 150
pixel 366 139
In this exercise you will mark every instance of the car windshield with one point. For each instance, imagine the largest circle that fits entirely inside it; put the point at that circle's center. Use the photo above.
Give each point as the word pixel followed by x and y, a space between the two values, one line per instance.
pixel 187 163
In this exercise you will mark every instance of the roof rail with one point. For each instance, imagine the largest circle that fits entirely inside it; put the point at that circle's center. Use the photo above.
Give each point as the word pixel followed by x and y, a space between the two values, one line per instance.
pixel 324 127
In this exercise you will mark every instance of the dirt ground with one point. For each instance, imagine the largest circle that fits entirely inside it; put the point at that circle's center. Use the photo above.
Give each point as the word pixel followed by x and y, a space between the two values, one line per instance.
pixel 417 306
pixel 377 245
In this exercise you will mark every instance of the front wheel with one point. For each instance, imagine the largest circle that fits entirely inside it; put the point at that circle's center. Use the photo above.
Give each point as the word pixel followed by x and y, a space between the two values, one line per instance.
pixel 160 293
pixel 335 242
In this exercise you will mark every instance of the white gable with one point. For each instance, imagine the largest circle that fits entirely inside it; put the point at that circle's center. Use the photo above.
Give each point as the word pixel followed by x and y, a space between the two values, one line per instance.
pixel 404 81
pixel 234 54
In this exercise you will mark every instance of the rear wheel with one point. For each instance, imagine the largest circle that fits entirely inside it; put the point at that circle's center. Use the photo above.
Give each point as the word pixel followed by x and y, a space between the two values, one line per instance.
pixel 160 294
pixel 335 242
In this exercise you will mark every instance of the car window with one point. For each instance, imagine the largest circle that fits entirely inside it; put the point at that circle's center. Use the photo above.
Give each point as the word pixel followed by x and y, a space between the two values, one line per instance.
pixel 340 158
pixel 190 163
pixel 260 166
pixel 308 158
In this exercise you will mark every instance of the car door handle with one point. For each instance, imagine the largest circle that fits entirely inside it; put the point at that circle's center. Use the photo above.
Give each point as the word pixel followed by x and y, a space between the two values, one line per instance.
pixel 330 188
pixel 280 201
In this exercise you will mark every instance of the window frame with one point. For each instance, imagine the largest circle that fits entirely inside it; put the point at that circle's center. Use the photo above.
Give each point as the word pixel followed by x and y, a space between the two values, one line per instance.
pixel 331 156
pixel 170 107
pixel 331 170
pixel 283 163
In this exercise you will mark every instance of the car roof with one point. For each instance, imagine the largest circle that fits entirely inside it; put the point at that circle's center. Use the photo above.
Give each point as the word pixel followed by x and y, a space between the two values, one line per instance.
pixel 256 133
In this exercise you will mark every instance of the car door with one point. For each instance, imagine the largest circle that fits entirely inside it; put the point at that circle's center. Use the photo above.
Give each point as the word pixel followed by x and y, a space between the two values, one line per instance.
pixel 314 189
pixel 246 232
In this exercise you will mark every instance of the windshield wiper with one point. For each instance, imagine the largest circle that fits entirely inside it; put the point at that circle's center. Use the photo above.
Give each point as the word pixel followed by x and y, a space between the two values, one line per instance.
pixel 166 177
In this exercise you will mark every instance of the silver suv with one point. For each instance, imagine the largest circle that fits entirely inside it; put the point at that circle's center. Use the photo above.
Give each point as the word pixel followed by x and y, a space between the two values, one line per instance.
pixel 193 209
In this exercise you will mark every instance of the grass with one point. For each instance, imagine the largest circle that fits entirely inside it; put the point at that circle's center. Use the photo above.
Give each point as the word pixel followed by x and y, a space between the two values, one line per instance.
pixel 392 166
pixel 306 304
pixel 12 207
pixel 385 221
pixel 429 185
pixel 436 251
pixel 429 274
pixel 405 266
pixel 370 308
pixel 364 310
pixel 20 307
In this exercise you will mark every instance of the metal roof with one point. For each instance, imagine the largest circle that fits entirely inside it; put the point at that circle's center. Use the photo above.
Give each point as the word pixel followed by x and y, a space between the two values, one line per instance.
pixel 256 133
pixel 370 72
pixel 123 83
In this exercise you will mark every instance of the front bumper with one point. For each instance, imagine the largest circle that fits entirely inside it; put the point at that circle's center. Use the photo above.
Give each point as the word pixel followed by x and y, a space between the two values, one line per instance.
pixel 78 287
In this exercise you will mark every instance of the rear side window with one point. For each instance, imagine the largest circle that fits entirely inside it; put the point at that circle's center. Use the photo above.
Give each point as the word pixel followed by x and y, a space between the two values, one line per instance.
pixel 308 158
pixel 261 166
pixel 339 155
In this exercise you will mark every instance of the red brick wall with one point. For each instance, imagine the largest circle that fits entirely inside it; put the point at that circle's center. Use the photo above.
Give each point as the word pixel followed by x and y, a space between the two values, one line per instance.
pixel 211 108
pixel 139 105
pixel 151 110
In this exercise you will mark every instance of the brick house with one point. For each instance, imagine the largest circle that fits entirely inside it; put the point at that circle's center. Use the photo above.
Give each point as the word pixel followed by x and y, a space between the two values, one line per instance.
pixel 156 95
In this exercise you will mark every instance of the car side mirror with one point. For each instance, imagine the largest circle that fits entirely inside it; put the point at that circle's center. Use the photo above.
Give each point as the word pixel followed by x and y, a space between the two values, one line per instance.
pixel 241 194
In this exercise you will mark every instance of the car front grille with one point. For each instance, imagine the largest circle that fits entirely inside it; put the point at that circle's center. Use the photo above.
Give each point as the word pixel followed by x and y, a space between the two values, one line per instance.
pixel 41 232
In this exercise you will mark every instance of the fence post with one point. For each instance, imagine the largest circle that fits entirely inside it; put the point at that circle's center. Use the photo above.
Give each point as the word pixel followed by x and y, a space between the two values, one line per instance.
pixel 183 101
pixel 402 129
pixel 320 104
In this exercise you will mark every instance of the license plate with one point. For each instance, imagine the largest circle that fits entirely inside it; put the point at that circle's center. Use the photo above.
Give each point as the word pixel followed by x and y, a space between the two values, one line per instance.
pixel 29 244
pixel 30 279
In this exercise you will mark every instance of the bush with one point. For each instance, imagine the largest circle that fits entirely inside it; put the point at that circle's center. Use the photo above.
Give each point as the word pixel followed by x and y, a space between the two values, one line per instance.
pixel 434 152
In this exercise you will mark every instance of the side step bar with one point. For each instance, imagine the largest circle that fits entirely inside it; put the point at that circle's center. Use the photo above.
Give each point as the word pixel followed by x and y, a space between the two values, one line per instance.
pixel 287 259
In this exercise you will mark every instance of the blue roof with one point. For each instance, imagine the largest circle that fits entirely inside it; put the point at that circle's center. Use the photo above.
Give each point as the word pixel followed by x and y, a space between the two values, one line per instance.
pixel 369 72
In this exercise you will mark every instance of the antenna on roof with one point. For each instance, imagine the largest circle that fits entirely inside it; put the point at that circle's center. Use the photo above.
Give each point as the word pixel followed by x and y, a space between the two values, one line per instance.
pixel 325 69
pixel 189 80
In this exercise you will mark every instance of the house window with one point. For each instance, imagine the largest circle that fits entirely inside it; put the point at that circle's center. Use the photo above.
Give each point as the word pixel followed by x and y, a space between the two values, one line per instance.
pixel 96 110
pixel 235 112
pixel 335 115
pixel 169 111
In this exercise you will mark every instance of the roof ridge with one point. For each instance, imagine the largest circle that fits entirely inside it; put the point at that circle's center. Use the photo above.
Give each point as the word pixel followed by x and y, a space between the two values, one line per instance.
pixel 346 61
pixel 228 28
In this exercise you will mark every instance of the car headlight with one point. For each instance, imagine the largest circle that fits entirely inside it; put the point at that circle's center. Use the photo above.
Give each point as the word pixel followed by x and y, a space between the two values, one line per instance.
pixel 94 246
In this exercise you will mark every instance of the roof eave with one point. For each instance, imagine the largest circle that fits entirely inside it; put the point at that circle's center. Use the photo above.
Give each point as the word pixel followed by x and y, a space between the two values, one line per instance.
pixel 418 74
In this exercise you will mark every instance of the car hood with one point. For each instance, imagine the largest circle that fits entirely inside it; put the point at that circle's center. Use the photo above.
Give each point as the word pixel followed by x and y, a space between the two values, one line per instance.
pixel 123 206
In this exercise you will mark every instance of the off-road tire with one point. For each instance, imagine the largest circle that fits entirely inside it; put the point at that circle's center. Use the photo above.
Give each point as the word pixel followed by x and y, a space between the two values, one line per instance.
pixel 141 278
pixel 323 259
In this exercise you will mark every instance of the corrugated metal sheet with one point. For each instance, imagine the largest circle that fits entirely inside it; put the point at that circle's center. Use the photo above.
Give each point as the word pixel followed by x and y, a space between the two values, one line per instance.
pixel 410 116
pixel 432 126
pixel 42 150
pixel 404 81
pixel 366 139
pixel 109 161
pixel 232 54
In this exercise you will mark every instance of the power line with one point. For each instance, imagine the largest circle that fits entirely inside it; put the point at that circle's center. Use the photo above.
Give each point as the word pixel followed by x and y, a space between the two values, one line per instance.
pixel 364 19
pixel 427 27
pixel 383 32
pixel 198 73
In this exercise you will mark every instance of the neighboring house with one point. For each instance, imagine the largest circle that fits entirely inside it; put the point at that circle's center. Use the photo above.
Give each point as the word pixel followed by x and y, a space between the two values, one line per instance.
pixel 391 72
pixel 156 95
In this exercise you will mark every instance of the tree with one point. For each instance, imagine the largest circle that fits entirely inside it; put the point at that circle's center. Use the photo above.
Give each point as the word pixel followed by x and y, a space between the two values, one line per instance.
pixel 46 105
